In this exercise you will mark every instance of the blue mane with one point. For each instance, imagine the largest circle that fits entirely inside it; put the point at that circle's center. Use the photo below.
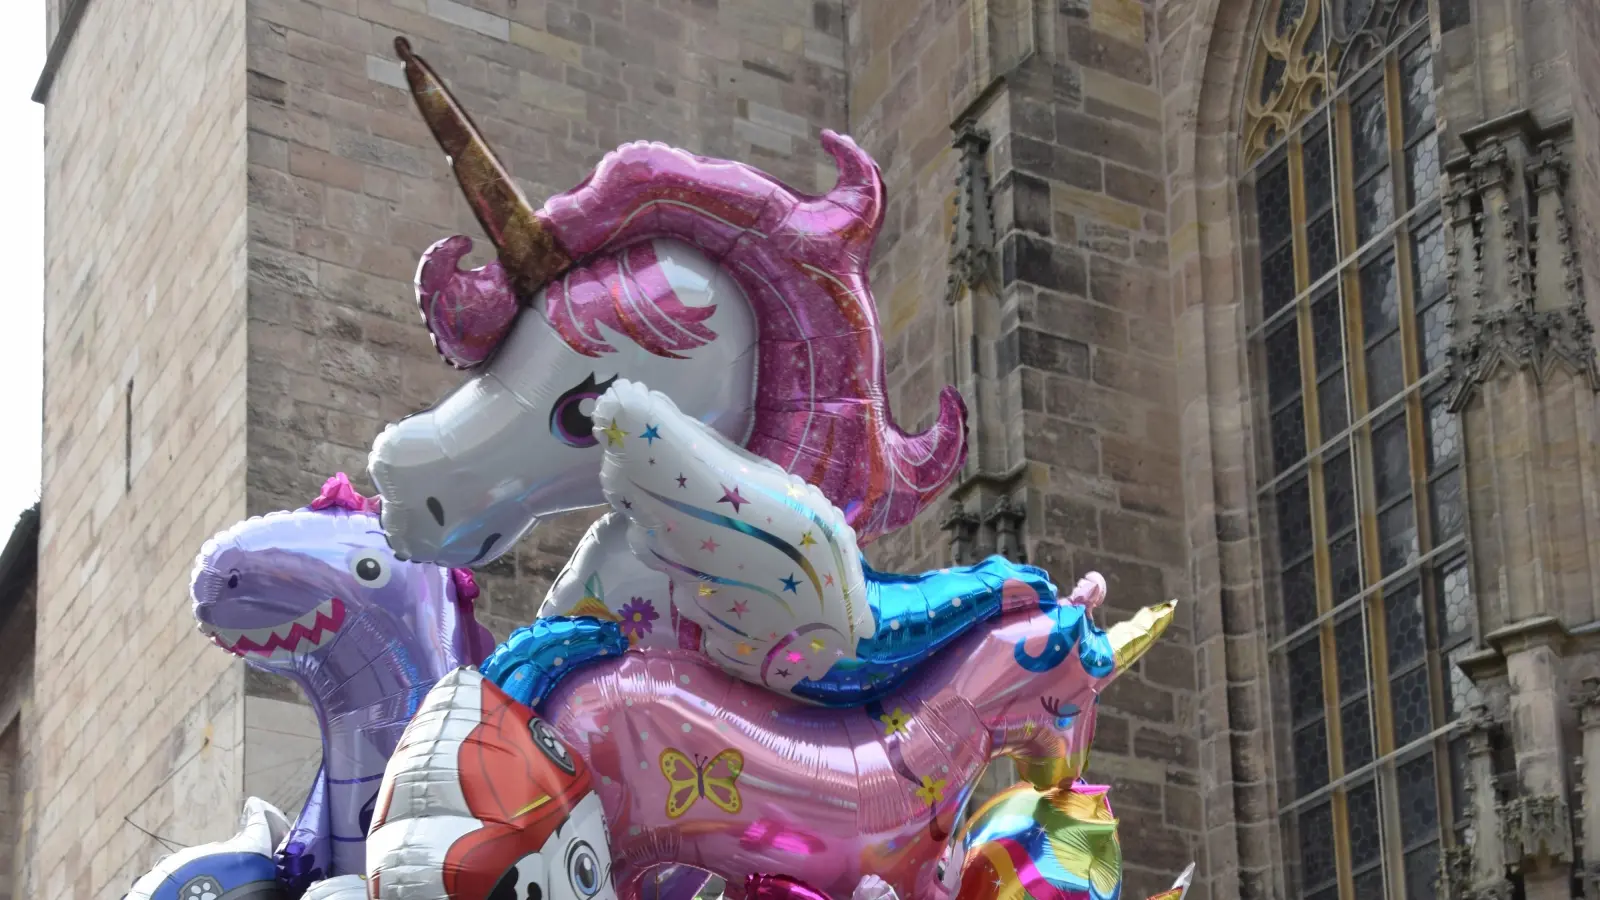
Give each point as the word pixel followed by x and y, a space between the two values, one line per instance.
pixel 916 616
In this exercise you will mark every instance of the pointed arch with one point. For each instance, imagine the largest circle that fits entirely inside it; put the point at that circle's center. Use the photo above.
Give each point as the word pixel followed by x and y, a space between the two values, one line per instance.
pixel 1321 475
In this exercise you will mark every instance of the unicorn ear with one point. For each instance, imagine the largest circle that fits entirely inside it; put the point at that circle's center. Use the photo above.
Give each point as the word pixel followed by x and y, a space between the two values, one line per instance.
pixel 1130 640
pixel 467 313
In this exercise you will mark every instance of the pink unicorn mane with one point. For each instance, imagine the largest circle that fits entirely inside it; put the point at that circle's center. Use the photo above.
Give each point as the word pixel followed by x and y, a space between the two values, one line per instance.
pixel 821 407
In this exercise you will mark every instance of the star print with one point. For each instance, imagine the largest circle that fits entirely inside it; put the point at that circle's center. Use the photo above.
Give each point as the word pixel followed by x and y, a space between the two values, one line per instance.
pixel 626 503
pixel 733 497
pixel 651 434
pixel 709 545
pixel 739 608
pixel 781 673
pixel 744 649
pixel 707 590
pixel 817 644
pixel 652 460
pixel 670 526
pixel 794 490
pixel 682 481
pixel 614 435
pixel 790 584
pixel 796 656
pixel 827 580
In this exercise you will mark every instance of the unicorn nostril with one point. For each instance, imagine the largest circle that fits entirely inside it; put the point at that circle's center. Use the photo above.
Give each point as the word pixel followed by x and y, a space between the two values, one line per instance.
pixel 233 579
pixel 436 509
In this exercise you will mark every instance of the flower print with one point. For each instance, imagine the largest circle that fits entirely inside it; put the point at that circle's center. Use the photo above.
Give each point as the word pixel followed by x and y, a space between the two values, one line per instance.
pixel 895 722
pixel 932 790
pixel 638 618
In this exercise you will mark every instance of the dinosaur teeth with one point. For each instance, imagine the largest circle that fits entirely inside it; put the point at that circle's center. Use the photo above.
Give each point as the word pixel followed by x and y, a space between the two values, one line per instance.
pixel 283 642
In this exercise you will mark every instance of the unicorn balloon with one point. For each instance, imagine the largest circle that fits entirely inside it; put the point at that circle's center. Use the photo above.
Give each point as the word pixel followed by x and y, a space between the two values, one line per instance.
pixel 317 596
pixel 745 301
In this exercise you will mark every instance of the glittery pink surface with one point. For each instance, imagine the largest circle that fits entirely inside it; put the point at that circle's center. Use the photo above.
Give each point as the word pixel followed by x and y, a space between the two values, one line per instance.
pixel 821 410
pixel 467 313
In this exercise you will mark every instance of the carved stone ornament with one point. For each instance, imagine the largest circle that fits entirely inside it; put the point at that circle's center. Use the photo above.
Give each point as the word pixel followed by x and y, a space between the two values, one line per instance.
pixel 1587 701
pixel 1589 877
pixel 1513 330
pixel 1536 827
pixel 1005 518
pixel 963 529
pixel 972 254
pixel 1455 881
pixel 1522 338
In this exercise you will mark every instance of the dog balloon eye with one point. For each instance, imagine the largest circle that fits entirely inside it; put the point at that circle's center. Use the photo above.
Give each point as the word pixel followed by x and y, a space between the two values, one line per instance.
pixel 583 869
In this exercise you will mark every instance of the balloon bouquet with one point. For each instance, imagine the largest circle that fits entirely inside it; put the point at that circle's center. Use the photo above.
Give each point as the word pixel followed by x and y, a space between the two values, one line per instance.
pixel 717 683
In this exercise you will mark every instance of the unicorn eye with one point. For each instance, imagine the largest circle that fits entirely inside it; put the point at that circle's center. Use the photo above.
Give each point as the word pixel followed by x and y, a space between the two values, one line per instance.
pixel 369 570
pixel 570 420
pixel 552 745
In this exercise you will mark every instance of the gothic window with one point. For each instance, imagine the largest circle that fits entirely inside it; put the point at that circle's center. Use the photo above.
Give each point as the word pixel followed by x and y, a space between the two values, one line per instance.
pixel 1364 492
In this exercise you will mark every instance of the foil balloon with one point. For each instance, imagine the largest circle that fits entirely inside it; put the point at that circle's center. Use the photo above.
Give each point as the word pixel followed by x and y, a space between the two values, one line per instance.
pixel 342 887
pixel 782 887
pixel 1059 843
pixel 317 596
pixel 699 768
pixel 482 801
pixel 1055 844
pixel 240 868
pixel 762 574
pixel 743 299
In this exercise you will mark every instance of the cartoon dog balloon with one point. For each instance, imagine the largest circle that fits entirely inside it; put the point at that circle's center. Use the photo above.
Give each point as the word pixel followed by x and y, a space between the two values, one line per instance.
pixel 239 868
pixel 483 801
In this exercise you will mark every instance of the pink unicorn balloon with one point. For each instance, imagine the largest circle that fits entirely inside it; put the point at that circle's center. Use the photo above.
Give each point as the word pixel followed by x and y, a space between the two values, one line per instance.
pixel 742 299
pixel 699 768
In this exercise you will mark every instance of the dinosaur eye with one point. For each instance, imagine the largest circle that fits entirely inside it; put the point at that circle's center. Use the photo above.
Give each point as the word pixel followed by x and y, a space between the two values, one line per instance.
pixel 552 745
pixel 570 422
pixel 369 570
pixel 583 868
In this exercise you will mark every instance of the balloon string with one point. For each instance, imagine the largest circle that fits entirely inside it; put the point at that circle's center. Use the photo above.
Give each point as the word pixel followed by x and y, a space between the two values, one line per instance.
pixel 163 783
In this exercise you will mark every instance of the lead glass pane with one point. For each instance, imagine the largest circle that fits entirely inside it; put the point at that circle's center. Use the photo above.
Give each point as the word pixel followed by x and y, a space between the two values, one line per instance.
pixel 1418 793
pixel 1294 519
pixel 1404 627
pixel 1365 844
pixel 1283 363
pixel 1299 595
pixel 1273 222
pixel 1316 845
pixel 1355 719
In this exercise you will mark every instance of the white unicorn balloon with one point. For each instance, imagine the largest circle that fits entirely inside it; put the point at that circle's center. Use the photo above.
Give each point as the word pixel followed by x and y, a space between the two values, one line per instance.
pixel 742 299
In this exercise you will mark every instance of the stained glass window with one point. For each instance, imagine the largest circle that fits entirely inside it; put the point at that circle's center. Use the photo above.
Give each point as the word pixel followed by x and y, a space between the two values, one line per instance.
pixel 1365 496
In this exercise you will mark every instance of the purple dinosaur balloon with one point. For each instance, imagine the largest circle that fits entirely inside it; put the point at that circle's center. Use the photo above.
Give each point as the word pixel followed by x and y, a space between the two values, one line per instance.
pixel 316 595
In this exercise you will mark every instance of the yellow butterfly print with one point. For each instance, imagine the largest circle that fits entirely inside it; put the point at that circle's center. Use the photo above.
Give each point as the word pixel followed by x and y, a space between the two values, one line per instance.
pixel 689 780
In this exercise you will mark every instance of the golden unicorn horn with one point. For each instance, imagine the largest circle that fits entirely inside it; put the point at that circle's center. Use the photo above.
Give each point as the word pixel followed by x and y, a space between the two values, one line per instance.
pixel 529 252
